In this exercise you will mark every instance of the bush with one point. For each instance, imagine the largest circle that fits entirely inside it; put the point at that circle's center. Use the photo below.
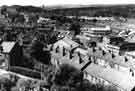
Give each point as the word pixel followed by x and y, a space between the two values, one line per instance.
pixel 6 83
pixel 68 76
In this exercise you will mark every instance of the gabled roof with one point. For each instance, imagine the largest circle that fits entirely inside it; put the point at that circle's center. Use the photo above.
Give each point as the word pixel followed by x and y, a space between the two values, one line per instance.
pixel 71 42
pixel 67 43
pixel 7 46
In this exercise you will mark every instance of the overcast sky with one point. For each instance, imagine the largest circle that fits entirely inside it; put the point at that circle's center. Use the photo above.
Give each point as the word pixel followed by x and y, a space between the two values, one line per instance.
pixel 61 2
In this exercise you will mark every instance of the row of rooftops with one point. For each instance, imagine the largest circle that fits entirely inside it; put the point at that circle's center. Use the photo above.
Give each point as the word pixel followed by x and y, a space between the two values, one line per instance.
pixel 121 60
pixel 110 57
pixel 92 18
pixel 119 42
pixel 97 52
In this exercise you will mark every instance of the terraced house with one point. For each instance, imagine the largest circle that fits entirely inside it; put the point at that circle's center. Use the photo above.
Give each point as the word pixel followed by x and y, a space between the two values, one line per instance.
pixel 100 66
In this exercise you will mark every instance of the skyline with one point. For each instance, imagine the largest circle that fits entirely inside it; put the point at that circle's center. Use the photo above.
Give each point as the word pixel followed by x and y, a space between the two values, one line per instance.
pixel 63 2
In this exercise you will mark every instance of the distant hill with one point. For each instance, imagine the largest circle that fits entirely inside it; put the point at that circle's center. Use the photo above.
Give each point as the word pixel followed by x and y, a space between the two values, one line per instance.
pixel 98 10
pixel 29 9
pixel 127 11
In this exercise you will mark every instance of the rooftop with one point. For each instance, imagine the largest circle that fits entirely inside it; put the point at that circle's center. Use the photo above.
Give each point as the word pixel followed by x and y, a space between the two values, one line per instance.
pixel 117 78
pixel 120 60
pixel 67 43
pixel 7 46
pixel 81 51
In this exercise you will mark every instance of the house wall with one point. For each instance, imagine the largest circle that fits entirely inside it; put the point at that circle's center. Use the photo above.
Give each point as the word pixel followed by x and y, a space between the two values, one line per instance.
pixel 6 61
pixel 16 56
pixel 98 80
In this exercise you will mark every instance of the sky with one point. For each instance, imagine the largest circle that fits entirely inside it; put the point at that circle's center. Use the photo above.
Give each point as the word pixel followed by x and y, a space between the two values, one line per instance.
pixel 63 2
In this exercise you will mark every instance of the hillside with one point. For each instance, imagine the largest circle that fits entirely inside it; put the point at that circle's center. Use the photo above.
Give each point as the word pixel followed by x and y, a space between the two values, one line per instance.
pixel 80 10
pixel 29 9
pixel 99 10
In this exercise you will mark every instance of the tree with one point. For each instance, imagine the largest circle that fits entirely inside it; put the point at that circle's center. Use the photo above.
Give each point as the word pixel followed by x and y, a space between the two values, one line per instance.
pixel 25 84
pixel 37 52
pixel 19 19
pixel 6 83
pixel 52 37
pixel 15 89
pixel 75 27
pixel 36 48
pixel 7 36
pixel 68 76
pixel 86 85
pixel 3 11
pixel 22 83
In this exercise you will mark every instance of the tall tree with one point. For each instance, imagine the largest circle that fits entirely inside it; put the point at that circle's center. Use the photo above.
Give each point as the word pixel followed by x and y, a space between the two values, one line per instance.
pixel 75 27
pixel 37 52
pixel 68 76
